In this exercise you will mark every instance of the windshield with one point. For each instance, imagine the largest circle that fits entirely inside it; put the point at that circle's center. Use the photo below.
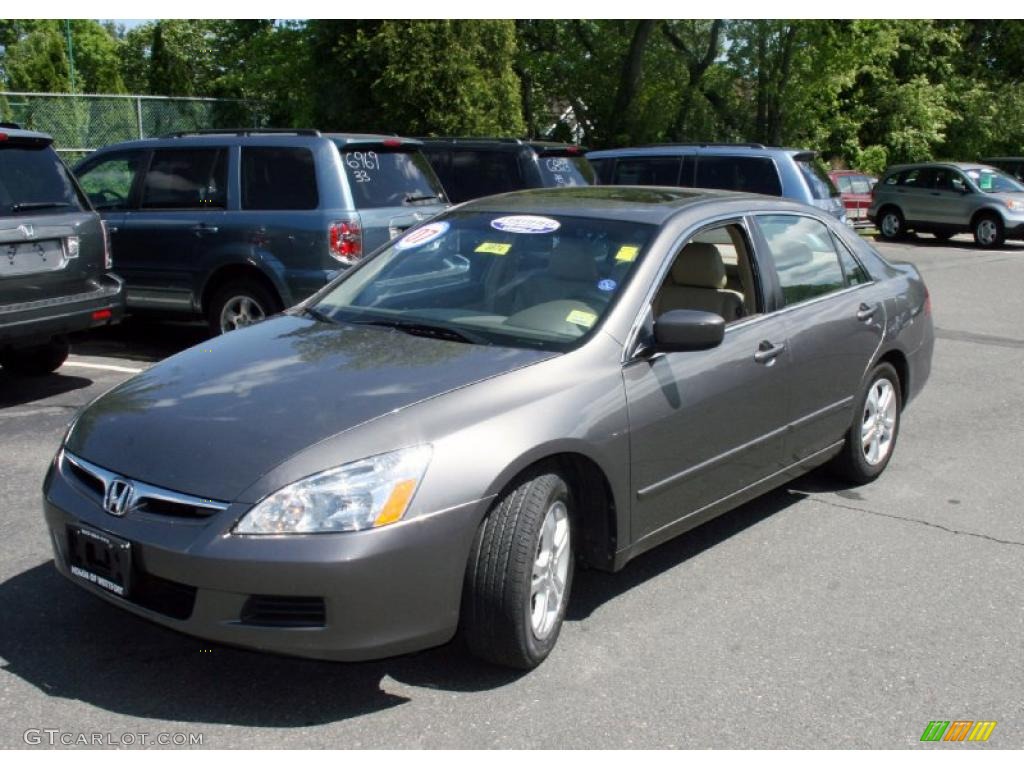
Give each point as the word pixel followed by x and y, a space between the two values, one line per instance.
pixel 821 185
pixel 383 178
pixel 510 280
pixel 33 181
pixel 991 180
pixel 565 171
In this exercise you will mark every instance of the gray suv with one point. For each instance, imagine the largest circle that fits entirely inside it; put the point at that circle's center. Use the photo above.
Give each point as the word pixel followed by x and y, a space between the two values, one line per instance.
pixel 776 171
pixel 54 260
pixel 945 199
pixel 237 225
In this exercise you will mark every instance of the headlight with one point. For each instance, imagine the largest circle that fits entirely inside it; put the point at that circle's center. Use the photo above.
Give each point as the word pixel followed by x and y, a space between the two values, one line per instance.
pixel 364 494
pixel 1015 205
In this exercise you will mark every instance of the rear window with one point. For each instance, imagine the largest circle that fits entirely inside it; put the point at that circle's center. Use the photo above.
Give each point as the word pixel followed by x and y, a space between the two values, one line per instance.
pixel 278 179
pixel 33 180
pixel 565 171
pixel 651 171
pixel 820 184
pixel 383 178
pixel 186 178
pixel 739 173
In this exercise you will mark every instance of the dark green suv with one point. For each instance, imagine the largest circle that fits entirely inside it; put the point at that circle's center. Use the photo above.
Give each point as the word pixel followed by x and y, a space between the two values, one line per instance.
pixel 54 258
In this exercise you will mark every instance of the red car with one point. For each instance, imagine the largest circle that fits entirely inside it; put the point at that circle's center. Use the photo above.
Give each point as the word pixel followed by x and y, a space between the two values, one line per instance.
pixel 855 189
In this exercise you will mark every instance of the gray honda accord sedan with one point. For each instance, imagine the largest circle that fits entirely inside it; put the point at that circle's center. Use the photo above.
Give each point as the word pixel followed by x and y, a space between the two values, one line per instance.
pixel 525 383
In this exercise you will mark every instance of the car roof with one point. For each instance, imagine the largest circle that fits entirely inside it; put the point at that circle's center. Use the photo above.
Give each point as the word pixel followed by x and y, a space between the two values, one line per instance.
pixel 244 137
pixel 14 132
pixel 491 142
pixel 935 164
pixel 647 205
pixel 698 148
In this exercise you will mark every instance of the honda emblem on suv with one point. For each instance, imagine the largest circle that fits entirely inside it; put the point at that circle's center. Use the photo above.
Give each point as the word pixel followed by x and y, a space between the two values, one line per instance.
pixel 119 496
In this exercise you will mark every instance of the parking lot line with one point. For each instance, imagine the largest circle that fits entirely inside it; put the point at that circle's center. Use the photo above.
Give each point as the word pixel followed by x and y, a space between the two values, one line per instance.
pixel 102 367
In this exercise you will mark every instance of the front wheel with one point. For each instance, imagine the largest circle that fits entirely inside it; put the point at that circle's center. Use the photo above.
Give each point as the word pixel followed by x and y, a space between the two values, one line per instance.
pixel 988 231
pixel 871 438
pixel 520 574
pixel 38 360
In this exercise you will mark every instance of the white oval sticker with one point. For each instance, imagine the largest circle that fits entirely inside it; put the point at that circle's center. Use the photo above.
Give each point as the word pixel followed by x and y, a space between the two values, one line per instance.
pixel 425 234
pixel 525 225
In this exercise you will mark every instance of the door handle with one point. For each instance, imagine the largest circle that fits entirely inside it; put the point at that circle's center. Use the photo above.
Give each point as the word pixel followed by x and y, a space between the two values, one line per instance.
pixel 766 351
pixel 205 229
pixel 864 312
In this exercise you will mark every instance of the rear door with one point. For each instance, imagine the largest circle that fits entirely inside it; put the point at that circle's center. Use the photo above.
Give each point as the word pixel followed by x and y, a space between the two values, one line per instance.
pixel 392 188
pixel 835 320
pixel 112 181
pixel 180 218
pixel 652 170
pixel 50 240
pixel 913 193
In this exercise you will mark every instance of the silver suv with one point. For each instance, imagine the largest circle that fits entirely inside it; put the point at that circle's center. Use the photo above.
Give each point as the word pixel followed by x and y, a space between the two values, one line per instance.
pixel 946 199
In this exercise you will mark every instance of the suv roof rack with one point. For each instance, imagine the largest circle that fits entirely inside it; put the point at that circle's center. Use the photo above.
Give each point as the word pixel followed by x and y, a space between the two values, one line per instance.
pixel 244 132
pixel 500 139
pixel 746 144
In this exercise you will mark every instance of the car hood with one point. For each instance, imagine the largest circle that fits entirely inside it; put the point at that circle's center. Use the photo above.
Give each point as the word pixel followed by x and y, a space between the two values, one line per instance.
pixel 213 419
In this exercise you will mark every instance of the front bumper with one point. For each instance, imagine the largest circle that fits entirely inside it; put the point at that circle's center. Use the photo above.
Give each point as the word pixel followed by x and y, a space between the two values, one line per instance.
pixel 345 596
pixel 37 321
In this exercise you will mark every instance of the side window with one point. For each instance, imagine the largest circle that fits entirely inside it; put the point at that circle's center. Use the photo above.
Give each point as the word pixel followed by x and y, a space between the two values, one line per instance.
pixel 186 179
pixel 852 269
pixel 652 171
pixel 108 183
pixel 278 179
pixel 742 174
pixel 602 167
pixel 477 173
pixel 804 255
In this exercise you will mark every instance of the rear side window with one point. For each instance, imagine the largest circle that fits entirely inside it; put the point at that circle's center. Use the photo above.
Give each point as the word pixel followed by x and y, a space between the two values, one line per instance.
pixel 477 173
pixel 651 171
pixel 739 173
pixel 33 180
pixel 108 181
pixel 186 178
pixel 383 178
pixel 278 179
pixel 565 171
pixel 820 184
pixel 805 256
pixel 603 169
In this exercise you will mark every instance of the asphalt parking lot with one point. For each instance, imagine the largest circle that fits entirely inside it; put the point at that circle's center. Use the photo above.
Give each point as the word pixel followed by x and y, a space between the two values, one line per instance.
pixel 817 616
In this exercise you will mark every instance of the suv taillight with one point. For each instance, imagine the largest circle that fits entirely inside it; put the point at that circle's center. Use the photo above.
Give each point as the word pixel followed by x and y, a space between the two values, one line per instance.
pixel 108 259
pixel 345 240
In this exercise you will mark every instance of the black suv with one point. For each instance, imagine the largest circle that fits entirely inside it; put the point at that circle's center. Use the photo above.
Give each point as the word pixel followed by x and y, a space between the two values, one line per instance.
pixel 476 167
pixel 236 225
pixel 54 258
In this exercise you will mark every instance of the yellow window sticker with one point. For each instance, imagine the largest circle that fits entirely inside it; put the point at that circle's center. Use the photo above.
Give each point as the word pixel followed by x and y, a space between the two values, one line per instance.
pixel 580 317
pixel 627 253
pixel 499 249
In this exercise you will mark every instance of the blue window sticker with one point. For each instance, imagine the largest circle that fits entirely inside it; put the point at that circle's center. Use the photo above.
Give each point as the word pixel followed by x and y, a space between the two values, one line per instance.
pixel 422 235
pixel 525 225
pixel 607 285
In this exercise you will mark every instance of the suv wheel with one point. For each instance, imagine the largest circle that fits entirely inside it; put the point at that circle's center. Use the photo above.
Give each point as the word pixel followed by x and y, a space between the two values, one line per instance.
pixel 891 225
pixel 238 305
pixel 38 360
pixel 519 574
pixel 988 231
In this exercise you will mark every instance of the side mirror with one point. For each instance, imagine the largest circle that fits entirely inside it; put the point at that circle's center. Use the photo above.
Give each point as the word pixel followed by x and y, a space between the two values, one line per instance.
pixel 686 330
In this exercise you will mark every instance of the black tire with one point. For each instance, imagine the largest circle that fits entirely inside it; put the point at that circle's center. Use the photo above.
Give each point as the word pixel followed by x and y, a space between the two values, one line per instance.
pixel 897 230
pixel 851 463
pixel 988 231
pixel 248 290
pixel 496 621
pixel 39 360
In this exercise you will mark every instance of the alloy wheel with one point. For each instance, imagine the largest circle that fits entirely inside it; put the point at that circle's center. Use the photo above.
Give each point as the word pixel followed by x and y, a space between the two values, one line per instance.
pixel 240 312
pixel 879 424
pixel 550 570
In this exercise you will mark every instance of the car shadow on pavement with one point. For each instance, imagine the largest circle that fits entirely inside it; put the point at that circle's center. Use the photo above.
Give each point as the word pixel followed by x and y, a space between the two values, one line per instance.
pixel 72 645
pixel 141 339
pixel 21 390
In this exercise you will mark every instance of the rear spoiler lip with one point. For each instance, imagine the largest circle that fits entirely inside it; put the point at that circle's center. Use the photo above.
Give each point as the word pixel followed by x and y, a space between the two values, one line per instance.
pixel 31 140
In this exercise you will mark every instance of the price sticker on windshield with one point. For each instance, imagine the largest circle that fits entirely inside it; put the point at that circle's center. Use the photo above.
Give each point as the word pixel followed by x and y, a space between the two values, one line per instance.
pixel 525 225
pixel 581 317
pixel 498 249
pixel 627 253
pixel 425 234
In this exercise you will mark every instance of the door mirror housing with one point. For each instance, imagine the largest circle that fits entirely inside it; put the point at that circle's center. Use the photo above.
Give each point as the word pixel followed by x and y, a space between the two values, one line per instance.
pixel 687 330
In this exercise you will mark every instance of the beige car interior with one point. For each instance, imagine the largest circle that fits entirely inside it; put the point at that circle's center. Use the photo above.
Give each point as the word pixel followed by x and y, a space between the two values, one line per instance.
pixel 712 273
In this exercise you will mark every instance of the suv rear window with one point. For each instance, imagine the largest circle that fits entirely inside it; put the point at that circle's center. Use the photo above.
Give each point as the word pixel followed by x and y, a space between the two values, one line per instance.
pixel 33 180
pixel 383 178
pixel 820 184
pixel 186 178
pixel 278 179
pixel 739 173
pixel 565 171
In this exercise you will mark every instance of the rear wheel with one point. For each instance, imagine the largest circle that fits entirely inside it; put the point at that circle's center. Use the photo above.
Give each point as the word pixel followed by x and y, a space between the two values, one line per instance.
pixel 891 225
pixel 520 574
pixel 238 305
pixel 37 360
pixel 872 436
pixel 988 231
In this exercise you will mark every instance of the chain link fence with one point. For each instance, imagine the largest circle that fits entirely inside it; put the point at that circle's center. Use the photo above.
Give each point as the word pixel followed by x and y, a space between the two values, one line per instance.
pixel 81 123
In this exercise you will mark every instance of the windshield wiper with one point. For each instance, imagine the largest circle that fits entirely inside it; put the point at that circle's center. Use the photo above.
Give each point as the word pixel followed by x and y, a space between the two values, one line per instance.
pixel 412 198
pixel 426 329
pixel 39 206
